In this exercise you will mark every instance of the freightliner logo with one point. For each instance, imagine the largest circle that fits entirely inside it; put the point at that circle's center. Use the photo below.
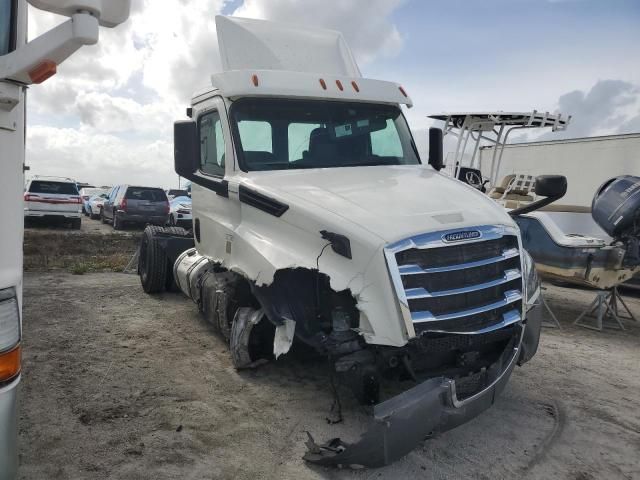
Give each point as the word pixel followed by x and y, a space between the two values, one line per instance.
pixel 462 235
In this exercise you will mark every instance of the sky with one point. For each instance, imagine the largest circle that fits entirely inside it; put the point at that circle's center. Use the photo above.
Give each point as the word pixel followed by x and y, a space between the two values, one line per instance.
pixel 107 116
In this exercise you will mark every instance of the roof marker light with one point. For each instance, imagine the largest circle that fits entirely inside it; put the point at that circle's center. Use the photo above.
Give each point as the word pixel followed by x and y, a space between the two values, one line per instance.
pixel 403 92
pixel 42 71
pixel 254 79
pixel 339 84
pixel 323 84
pixel 355 86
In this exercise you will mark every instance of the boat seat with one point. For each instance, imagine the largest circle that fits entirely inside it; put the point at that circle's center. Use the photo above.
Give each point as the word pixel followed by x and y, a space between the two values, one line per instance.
pixel 516 201
pixel 518 187
pixel 497 192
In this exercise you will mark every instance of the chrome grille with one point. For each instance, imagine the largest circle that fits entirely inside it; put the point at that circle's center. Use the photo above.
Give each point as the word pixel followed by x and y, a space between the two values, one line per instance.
pixel 467 287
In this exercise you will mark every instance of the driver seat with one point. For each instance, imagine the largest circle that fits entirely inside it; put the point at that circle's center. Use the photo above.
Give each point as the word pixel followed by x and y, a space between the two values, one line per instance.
pixel 321 146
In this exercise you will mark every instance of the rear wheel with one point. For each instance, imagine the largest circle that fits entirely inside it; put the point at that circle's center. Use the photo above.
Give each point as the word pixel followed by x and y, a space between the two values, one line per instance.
pixel 152 262
pixel 102 218
pixel 117 224
pixel 172 220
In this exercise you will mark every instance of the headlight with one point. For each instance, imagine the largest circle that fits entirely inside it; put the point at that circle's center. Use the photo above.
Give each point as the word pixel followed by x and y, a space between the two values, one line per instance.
pixel 9 335
pixel 530 279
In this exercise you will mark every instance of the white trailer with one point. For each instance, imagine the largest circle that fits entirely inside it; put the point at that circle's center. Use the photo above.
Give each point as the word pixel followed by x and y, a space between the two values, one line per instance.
pixel 586 162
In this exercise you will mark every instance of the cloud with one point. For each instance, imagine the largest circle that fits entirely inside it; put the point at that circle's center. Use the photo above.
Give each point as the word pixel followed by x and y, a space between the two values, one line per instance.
pixel 609 107
pixel 366 24
pixel 100 158
pixel 107 115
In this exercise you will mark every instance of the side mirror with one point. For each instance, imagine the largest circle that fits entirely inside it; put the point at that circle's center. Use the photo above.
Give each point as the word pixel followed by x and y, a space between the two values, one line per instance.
pixel 435 148
pixel 553 187
pixel 185 151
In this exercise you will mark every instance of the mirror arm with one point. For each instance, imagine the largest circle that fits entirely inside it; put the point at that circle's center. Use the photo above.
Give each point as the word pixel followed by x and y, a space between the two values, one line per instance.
pixel 533 206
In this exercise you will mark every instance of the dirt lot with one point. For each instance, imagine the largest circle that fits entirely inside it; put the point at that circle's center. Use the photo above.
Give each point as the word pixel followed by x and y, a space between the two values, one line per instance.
pixel 121 385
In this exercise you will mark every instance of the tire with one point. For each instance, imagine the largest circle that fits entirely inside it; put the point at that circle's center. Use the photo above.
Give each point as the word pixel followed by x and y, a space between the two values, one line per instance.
pixel 76 223
pixel 248 338
pixel 152 262
pixel 177 231
pixel 93 216
pixel 117 224
pixel 171 285
pixel 102 219
pixel 172 221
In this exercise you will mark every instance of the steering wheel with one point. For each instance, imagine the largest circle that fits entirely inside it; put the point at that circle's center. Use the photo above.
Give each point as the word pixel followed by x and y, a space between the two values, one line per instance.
pixel 474 179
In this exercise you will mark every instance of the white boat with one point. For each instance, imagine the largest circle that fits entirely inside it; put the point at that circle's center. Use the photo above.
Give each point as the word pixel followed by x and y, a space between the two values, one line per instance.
pixel 564 239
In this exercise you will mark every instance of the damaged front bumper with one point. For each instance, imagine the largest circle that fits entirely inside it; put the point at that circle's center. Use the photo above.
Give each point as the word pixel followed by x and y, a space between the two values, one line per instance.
pixel 401 422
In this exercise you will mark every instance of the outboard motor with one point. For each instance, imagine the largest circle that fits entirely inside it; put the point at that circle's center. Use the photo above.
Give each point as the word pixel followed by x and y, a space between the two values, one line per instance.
pixel 616 208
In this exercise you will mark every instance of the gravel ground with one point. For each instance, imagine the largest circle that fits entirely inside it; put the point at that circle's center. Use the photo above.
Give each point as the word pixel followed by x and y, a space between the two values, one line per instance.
pixel 121 385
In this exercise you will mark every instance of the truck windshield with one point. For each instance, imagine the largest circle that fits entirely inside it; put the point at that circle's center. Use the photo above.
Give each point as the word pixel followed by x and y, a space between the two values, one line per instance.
pixel 286 134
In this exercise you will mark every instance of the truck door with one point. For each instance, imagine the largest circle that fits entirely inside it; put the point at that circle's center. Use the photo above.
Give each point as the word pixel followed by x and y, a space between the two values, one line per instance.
pixel 212 208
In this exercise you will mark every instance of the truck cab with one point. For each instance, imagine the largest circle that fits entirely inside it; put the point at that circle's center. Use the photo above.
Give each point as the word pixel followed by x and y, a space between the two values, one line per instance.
pixel 316 223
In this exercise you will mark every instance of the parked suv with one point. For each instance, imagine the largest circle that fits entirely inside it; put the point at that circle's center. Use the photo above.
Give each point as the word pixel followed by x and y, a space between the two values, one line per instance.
pixel 128 203
pixel 53 198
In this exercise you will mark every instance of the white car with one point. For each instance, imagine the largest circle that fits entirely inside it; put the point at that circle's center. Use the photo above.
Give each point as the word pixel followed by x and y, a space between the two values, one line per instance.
pixel 94 205
pixel 180 213
pixel 53 198
pixel 86 193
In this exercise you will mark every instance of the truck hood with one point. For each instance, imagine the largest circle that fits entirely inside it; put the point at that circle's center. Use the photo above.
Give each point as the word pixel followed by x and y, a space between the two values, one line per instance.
pixel 392 202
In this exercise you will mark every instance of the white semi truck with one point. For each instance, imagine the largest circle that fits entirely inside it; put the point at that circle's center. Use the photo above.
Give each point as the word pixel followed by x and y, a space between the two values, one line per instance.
pixel 316 224
pixel 23 64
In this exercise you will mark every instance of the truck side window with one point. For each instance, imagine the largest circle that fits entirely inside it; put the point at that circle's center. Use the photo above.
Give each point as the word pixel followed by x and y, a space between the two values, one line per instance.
pixel 211 144
pixel 386 142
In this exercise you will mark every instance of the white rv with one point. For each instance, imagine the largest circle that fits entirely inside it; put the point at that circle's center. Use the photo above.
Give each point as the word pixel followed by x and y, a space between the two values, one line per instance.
pixel 316 222
pixel 23 64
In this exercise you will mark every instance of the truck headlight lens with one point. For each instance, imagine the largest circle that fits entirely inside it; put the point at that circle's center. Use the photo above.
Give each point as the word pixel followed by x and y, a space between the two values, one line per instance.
pixel 530 279
pixel 9 335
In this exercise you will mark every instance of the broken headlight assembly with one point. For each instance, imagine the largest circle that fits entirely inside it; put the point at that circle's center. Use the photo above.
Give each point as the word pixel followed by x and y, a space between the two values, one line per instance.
pixel 530 279
pixel 9 335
